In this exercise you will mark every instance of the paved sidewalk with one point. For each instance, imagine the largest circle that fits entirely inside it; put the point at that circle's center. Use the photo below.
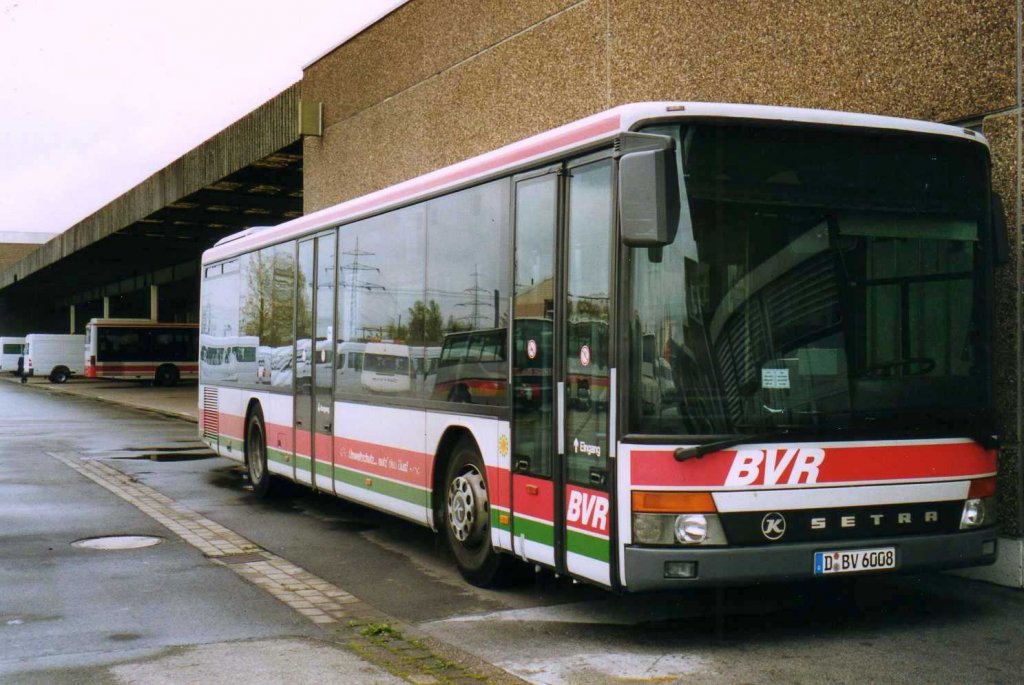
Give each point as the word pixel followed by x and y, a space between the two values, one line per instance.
pixel 203 604
pixel 180 401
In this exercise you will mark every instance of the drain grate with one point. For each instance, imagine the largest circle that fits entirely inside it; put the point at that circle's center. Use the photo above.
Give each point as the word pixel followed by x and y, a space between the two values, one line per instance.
pixel 116 542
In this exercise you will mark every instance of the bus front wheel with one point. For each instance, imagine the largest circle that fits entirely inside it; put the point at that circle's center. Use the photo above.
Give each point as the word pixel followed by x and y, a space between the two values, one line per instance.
pixel 467 517
pixel 256 454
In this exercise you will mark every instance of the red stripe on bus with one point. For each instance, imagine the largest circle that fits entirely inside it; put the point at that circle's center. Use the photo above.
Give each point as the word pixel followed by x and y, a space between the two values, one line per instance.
pixel 842 464
pixel 497 484
pixel 231 425
pixel 398 464
pixel 279 437
pixel 533 497
pixel 141 366
pixel 303 443
pixel 324 447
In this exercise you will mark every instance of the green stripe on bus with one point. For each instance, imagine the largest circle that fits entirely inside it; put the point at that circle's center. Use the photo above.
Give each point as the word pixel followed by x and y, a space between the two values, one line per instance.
pixel 587 545
pixel 496 515
pixel 406 493
pixel 535 531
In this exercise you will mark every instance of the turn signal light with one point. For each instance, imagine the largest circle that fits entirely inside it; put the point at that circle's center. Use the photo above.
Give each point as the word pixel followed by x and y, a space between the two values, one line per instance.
pixel 982 487
pixel 674 502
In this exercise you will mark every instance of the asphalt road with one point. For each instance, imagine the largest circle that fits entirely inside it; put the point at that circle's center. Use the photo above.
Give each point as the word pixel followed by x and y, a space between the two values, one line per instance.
pixel 72 615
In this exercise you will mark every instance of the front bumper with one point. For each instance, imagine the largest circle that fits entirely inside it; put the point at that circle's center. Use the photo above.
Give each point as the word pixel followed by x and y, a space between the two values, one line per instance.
pixel 645 567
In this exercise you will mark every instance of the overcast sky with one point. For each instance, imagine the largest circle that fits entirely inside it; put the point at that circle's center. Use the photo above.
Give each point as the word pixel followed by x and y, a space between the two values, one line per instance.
pixel 96 95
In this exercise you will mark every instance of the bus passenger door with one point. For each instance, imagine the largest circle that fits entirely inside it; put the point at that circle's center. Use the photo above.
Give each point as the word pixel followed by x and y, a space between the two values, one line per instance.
pixel 302 363
pixel 325 350
pixel 536 494
pixel 313 363
pixel 587 380
pixel 562 381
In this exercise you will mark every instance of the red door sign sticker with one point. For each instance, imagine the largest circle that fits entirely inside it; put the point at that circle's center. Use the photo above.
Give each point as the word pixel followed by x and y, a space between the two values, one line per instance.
pixel 585 355
pixel 531 349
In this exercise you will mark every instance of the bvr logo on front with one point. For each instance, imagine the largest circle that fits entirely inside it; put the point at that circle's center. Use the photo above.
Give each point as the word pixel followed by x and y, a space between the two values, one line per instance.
pixel 770 467
pixel 588 510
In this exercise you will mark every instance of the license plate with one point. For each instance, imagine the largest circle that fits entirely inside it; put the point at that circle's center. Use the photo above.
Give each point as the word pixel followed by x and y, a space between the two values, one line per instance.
pixel 854 560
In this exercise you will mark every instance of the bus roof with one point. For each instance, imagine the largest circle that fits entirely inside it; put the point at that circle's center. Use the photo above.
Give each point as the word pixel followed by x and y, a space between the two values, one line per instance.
pixel 549 145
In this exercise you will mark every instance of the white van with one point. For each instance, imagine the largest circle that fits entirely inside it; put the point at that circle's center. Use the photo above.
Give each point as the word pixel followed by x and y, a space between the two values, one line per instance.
pixel 11 350
pixel 386 368
pixel 58 357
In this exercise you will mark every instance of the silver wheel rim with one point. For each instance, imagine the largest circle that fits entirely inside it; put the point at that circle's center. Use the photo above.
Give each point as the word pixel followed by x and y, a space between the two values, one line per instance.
pixel 255 454
pixel 467 506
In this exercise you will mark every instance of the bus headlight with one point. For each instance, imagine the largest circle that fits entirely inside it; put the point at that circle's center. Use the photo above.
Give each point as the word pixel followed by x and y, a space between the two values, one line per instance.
pixel 691 529
pixel 647 528
pixel 978 511
pixel 676 518
pixel 677 529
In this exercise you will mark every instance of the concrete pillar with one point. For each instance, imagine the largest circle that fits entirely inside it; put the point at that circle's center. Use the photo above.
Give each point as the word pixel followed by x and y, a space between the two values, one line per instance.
pixel 106 307
pixel 71 316
pixel 154 302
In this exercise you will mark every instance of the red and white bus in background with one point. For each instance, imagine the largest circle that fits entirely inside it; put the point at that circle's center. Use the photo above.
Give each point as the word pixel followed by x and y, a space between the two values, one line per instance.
pixel 813 287
pixel 141 349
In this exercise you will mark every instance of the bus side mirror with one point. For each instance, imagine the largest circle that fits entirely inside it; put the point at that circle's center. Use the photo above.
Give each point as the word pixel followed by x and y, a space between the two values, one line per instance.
pixel 648 190
pixel 1000 238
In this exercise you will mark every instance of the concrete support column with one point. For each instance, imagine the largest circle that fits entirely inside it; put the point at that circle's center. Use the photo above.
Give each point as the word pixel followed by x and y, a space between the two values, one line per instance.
pixel 71 317
pixel 154 302
pixel 106 307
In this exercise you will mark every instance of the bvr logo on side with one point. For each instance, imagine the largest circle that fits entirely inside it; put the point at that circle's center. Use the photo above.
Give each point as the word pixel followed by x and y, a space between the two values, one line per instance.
pixel 588 510
pixel 772 467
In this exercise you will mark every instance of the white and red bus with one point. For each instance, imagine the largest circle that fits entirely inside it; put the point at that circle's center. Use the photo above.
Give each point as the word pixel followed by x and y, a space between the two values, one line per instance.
pixel 816 287
pixel 141 349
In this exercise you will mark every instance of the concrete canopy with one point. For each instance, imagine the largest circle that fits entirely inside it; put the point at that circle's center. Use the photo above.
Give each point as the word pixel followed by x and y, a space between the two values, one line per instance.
pixel 248 174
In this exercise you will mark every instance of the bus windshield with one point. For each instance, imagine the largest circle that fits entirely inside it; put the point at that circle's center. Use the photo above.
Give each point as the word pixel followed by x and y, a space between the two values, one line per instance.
pixel 827 277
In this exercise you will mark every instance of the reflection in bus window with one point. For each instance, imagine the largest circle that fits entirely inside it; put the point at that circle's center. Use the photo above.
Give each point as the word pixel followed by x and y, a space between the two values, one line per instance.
pixel 473 368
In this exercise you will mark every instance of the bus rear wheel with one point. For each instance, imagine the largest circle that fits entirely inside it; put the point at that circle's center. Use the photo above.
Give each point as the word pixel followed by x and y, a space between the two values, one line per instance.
pixel 61 374
pixel 256 454
pixel 467 518
pixel 166 376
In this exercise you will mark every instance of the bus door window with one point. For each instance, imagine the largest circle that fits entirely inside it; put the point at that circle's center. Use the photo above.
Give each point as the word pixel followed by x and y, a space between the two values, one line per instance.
pixel 536 207
pixel 588 244
pixel 323 362
pixel 535 478
pixel 303 362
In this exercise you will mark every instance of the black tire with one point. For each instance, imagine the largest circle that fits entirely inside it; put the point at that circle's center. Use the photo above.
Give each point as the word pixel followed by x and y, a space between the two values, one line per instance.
pixel 166 376
pixel 256 454
pixel 467 518
pixel 61 374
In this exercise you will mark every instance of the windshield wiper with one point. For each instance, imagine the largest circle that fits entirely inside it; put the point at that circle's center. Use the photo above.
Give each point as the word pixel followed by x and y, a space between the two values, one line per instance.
pixel 698 451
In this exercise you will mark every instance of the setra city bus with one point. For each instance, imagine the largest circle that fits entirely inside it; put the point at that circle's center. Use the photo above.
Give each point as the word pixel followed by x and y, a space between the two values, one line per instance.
pixel 747 344
pixel 141 349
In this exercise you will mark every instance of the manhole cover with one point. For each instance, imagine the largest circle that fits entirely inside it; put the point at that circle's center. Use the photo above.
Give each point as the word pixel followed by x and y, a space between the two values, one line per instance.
pixel 118 542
